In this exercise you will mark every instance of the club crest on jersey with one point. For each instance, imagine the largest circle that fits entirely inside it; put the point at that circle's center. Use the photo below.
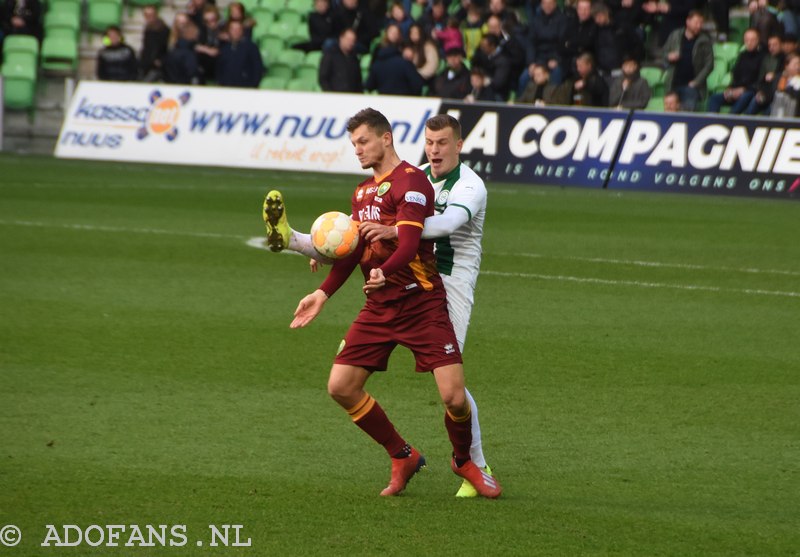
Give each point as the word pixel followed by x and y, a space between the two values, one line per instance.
pixel 442 197
pixel 416 197
pixel 383 188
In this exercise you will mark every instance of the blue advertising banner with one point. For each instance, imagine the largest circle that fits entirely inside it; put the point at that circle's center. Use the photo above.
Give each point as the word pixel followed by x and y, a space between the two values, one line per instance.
pixel 531 145
pixel 688 153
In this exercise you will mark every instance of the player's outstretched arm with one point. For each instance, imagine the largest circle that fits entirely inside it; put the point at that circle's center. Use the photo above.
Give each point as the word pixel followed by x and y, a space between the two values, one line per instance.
pixel 436 226
pixel 308 308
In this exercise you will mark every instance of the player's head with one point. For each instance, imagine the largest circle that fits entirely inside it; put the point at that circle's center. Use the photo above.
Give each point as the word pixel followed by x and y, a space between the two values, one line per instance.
pixel 371 136
pixel 442 143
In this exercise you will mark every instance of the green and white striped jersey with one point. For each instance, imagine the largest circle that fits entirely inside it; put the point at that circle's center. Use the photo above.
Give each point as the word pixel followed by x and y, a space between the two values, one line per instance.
pixel 458 195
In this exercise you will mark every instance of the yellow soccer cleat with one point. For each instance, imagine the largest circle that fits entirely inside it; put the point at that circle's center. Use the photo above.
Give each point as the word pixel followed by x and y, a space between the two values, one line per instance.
pixel 467 490
pixel 278 229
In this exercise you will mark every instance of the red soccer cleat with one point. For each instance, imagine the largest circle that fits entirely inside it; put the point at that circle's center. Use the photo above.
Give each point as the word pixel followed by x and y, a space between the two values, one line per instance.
pixel 485 484
pixel 403 469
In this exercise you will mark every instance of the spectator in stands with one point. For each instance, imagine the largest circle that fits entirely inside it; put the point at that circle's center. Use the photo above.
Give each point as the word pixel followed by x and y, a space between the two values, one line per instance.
pixel 785 102
pixel 20 17
pixel 672 102
pixel 547 31
pixel 390 36
pixel 608 43
pixel 630 22
pixel 425 53
pixel 789 44
pixel 540 92
pixel 434 18
pixel 357 16
pixel 720 12
pixel 208 44
pixel 454 81
pixel 482 90
pixel 237 12
pixel 510 43
pixel 580 33
pixel 116 61
pixel 155 43
pixel 771 68
pixel 499 9
pixel 340 70
pixel 496 66
pixel 671 15
pixel 764 19
pixel 744 78
pixel 399 16
pixel 195 10
pixel 180 65
pixel 629 90
pixel 393 74
pixel 689 61
pixel 321 28
pixel 589 88
pixel 239 63
pixel 450 37
pixel 471 28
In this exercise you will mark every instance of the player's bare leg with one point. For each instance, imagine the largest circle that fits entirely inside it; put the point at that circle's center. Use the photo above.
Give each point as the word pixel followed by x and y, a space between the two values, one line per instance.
pixel 346 386
pixel 458 421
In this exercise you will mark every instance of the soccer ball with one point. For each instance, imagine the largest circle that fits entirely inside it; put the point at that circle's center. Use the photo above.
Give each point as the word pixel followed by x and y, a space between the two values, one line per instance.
pixel 334 235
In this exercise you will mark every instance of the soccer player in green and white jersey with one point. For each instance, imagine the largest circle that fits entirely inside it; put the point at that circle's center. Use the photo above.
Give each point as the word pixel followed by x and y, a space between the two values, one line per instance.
pixel 460 205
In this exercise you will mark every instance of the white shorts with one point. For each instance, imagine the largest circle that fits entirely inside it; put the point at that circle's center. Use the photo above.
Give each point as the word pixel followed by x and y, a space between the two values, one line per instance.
pixel 460 297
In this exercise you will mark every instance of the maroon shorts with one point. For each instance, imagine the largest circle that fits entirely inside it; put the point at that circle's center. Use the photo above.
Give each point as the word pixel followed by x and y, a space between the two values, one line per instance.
pixel 419 322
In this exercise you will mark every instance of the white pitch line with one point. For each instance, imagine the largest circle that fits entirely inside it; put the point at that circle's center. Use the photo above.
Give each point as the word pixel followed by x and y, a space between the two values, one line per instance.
pixel 642 284
pixel 638 263
pixel 92 227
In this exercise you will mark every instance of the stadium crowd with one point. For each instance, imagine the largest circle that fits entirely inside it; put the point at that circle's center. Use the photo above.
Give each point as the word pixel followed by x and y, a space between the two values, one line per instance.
pixel 586 52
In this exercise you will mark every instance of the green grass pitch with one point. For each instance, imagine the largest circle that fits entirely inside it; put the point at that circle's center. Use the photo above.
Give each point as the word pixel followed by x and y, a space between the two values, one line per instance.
pixel 634 357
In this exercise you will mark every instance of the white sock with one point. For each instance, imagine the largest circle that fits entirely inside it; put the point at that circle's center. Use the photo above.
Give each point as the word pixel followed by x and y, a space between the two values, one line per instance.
pixel 301 243
pixel 476 449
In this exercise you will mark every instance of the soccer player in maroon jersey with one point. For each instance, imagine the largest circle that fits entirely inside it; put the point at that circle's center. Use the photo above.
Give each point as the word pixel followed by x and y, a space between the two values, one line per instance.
pixel 406 304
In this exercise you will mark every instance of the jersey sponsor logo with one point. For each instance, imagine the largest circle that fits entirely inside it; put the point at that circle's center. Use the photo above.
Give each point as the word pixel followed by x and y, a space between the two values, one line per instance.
pixel 383 188
pixel 442 198
pixel 416 197
pixel 369 213
pixel 411 286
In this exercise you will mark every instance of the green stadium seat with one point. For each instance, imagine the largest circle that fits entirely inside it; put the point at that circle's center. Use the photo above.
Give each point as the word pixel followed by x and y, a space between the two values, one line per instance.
pixel 654 77
pixel 67 6
pixel 273 82
pixel 291 17
pixel 100 14
pixel 655 104
pixel 718 80
pixel 265 23
pixel 249 6
pixel 313 58
pixel 270 45
pixel 19 84
pixel 301 6
pixel 303 84
pixel 307 72
pixel 281 69
pixel 21 44
pixel 66 22
pixel 727 51
pixel 275 6
pixel 59 54
pixel 291 57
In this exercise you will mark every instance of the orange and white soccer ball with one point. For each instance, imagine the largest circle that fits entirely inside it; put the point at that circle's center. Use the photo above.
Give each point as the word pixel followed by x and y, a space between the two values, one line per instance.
pixel 334 235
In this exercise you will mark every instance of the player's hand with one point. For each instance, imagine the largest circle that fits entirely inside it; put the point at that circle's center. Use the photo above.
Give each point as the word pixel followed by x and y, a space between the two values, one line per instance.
pixel 315 265
pixel 373 231
pixel 308 308
pixel 376 281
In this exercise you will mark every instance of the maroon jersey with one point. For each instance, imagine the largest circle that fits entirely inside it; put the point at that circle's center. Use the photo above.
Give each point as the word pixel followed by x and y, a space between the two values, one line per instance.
pixel 404 197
